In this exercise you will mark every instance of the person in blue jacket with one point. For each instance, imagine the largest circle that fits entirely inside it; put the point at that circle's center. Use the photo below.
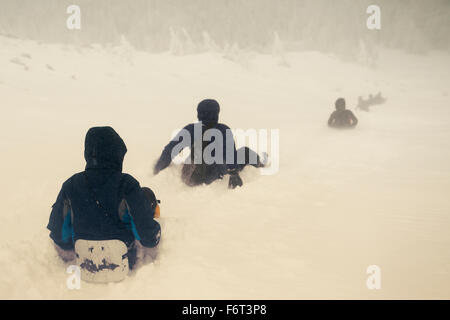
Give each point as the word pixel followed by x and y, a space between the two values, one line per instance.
pixel 102 203
pixel 201 172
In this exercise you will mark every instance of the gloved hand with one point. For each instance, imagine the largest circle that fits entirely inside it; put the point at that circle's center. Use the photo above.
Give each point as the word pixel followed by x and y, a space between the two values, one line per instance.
pixel 235 181
pixel 154 203
pixel 153 239
pixel 157 213
pixel 157 168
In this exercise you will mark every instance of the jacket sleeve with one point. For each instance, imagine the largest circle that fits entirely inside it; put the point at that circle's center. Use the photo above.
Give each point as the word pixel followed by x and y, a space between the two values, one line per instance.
pixel 141 211
pixel 331 119
pixel 354 119
pixel 60 222
pixel 232 166
pixel 182 139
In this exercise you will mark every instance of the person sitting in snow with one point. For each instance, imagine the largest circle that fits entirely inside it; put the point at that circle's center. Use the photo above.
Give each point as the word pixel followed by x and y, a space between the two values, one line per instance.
pixel 102 203
pixel 198 171
pixel 342 118
pixel 364 105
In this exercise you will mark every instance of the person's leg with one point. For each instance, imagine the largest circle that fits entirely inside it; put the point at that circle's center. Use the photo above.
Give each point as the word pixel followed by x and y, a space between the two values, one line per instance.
pixel 151 253
pixel 251 158
pixel 212 173
pixel 132 255
pixel 190 175
pixel 65 255
pixel 198 174
pixel 145 255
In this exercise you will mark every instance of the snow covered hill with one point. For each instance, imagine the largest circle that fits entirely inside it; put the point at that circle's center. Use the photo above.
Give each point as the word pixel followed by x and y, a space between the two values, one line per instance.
pixel 341 201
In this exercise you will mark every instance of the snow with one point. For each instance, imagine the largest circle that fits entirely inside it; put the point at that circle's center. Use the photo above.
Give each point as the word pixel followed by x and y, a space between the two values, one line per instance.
pixel 341 201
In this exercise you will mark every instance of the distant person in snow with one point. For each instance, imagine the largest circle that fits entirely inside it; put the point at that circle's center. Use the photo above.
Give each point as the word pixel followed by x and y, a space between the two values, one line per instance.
pixel 199 170
pixel 364 105
pixel 102 203
pixel 342 118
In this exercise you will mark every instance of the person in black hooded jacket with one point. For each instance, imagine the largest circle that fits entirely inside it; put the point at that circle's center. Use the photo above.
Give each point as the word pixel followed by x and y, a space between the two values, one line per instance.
pixel 102 203
pixel 194 174
pixel 341 117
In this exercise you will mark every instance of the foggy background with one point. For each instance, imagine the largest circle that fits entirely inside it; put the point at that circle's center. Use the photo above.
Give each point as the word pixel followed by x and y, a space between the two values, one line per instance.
pixel 154 25
pixel 341 201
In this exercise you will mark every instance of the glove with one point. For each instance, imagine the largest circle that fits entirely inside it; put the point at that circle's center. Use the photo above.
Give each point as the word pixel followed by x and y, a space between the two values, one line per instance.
pixel 157 213
pixel 154 239
pixel 235 181
pixel 156 169
pixel 154 203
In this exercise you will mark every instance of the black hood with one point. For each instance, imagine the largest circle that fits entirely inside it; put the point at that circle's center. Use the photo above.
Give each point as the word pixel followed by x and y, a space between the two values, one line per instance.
pixel 340 104
pixel 208 112
pixel 104 149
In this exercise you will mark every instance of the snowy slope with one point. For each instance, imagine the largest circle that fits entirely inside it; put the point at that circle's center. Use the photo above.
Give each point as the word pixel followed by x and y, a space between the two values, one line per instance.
pixel 342 200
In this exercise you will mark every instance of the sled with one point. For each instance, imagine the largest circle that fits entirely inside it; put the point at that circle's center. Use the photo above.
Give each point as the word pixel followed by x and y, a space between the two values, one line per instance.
pixel 102 261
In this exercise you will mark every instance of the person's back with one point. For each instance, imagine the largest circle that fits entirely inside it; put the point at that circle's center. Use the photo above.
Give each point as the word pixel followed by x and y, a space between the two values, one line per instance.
pixel 102 203
pixel 205 171
pixel 341 117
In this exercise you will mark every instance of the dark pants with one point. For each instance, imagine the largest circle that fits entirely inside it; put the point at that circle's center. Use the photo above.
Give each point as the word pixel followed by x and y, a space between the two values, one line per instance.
pixel 132 255
pixel 198 174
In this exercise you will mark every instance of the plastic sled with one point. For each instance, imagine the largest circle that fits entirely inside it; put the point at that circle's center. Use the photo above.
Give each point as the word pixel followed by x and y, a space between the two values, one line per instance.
pixel 102 261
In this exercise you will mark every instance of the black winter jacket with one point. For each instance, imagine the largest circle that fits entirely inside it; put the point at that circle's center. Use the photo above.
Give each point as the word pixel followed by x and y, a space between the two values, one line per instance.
pixel 102 203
